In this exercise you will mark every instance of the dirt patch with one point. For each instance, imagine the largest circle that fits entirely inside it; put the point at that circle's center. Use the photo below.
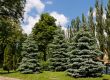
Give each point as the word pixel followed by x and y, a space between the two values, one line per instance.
pixel 7 78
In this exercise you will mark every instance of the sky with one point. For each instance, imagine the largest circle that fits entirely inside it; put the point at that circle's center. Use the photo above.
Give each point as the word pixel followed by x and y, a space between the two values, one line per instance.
pixel 62 10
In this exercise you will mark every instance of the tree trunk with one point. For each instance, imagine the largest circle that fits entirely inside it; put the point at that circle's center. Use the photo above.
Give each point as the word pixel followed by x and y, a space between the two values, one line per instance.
pixel 45 55
pixel 8 71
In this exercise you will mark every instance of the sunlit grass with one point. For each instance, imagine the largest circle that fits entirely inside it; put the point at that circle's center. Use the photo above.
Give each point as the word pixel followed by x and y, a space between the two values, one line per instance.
pixel 47 75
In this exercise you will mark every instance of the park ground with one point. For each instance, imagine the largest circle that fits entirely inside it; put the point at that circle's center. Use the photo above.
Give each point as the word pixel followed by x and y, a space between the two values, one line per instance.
pixel 46 75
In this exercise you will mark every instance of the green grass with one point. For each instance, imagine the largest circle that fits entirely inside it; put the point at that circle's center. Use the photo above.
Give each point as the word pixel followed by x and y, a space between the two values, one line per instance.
pixel 46 75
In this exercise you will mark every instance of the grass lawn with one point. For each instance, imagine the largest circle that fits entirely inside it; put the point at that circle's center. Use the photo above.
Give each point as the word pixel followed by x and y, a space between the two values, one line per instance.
pixel 46 75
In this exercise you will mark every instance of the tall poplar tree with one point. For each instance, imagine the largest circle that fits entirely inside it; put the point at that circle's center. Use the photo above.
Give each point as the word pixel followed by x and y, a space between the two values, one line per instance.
pixel 107 27
pixel 99 25
pixel 91 23
pixel 78 23
pixel 75 27
pixel 84 22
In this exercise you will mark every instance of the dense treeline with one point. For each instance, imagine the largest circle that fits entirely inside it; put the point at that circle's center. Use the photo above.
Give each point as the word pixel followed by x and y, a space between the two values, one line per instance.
pixel 48 48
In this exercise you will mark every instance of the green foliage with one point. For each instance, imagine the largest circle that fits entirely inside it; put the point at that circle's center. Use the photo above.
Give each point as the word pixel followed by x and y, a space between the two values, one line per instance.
pixel 58 51
pixel 82 61
pixel 107 28
pixel 99 26
pixel 91 23
pixel 45 65
pixel 7 65
pixel 11 12
pixel 10 33
pixel 75 27
pixel 84 23
pixel 30 62
pixel 11 8
pixel 43 32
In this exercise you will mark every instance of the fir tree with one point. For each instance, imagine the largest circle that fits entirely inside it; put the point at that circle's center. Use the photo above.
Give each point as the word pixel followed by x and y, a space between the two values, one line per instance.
pixel 7 65
pixel 29 63
pixel 83 57
pixel 58 50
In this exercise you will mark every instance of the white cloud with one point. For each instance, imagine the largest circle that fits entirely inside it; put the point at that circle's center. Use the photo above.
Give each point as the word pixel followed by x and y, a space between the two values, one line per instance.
pixel 31 22
pixel 39 7
pixel 49 2
pixel 61 18
pixel 37 4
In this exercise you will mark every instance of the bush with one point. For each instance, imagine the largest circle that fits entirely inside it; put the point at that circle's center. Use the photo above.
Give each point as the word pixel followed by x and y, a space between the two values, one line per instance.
pixel 45 65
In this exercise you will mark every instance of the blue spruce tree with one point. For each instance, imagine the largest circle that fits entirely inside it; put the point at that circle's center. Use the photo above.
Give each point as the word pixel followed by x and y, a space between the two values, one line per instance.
pixel 30 62
pixel 83 57
pixel 58 51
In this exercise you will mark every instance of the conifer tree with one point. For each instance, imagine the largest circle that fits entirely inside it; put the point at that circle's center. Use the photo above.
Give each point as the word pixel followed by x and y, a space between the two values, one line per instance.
pixel 83 54
pixel 7 65
pixel 30 62
pixel 58 49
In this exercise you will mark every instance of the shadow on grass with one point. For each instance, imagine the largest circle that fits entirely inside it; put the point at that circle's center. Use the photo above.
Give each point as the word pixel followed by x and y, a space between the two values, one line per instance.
pixel 6 72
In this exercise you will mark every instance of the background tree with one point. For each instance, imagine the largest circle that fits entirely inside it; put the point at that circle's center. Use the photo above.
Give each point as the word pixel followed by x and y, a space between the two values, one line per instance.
pixel 17 49
pixel 43 32
pixel 13 9
pixel 30 62
pixel 71 33
pixel 84 22
pixel 7 65
pixel 107 28
pixel 78 23
pixel 99 26
pixel 11 12
pixel 58 52
pixel 10 33
pixel 74 27
pixel 82 61
pixel 91 23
